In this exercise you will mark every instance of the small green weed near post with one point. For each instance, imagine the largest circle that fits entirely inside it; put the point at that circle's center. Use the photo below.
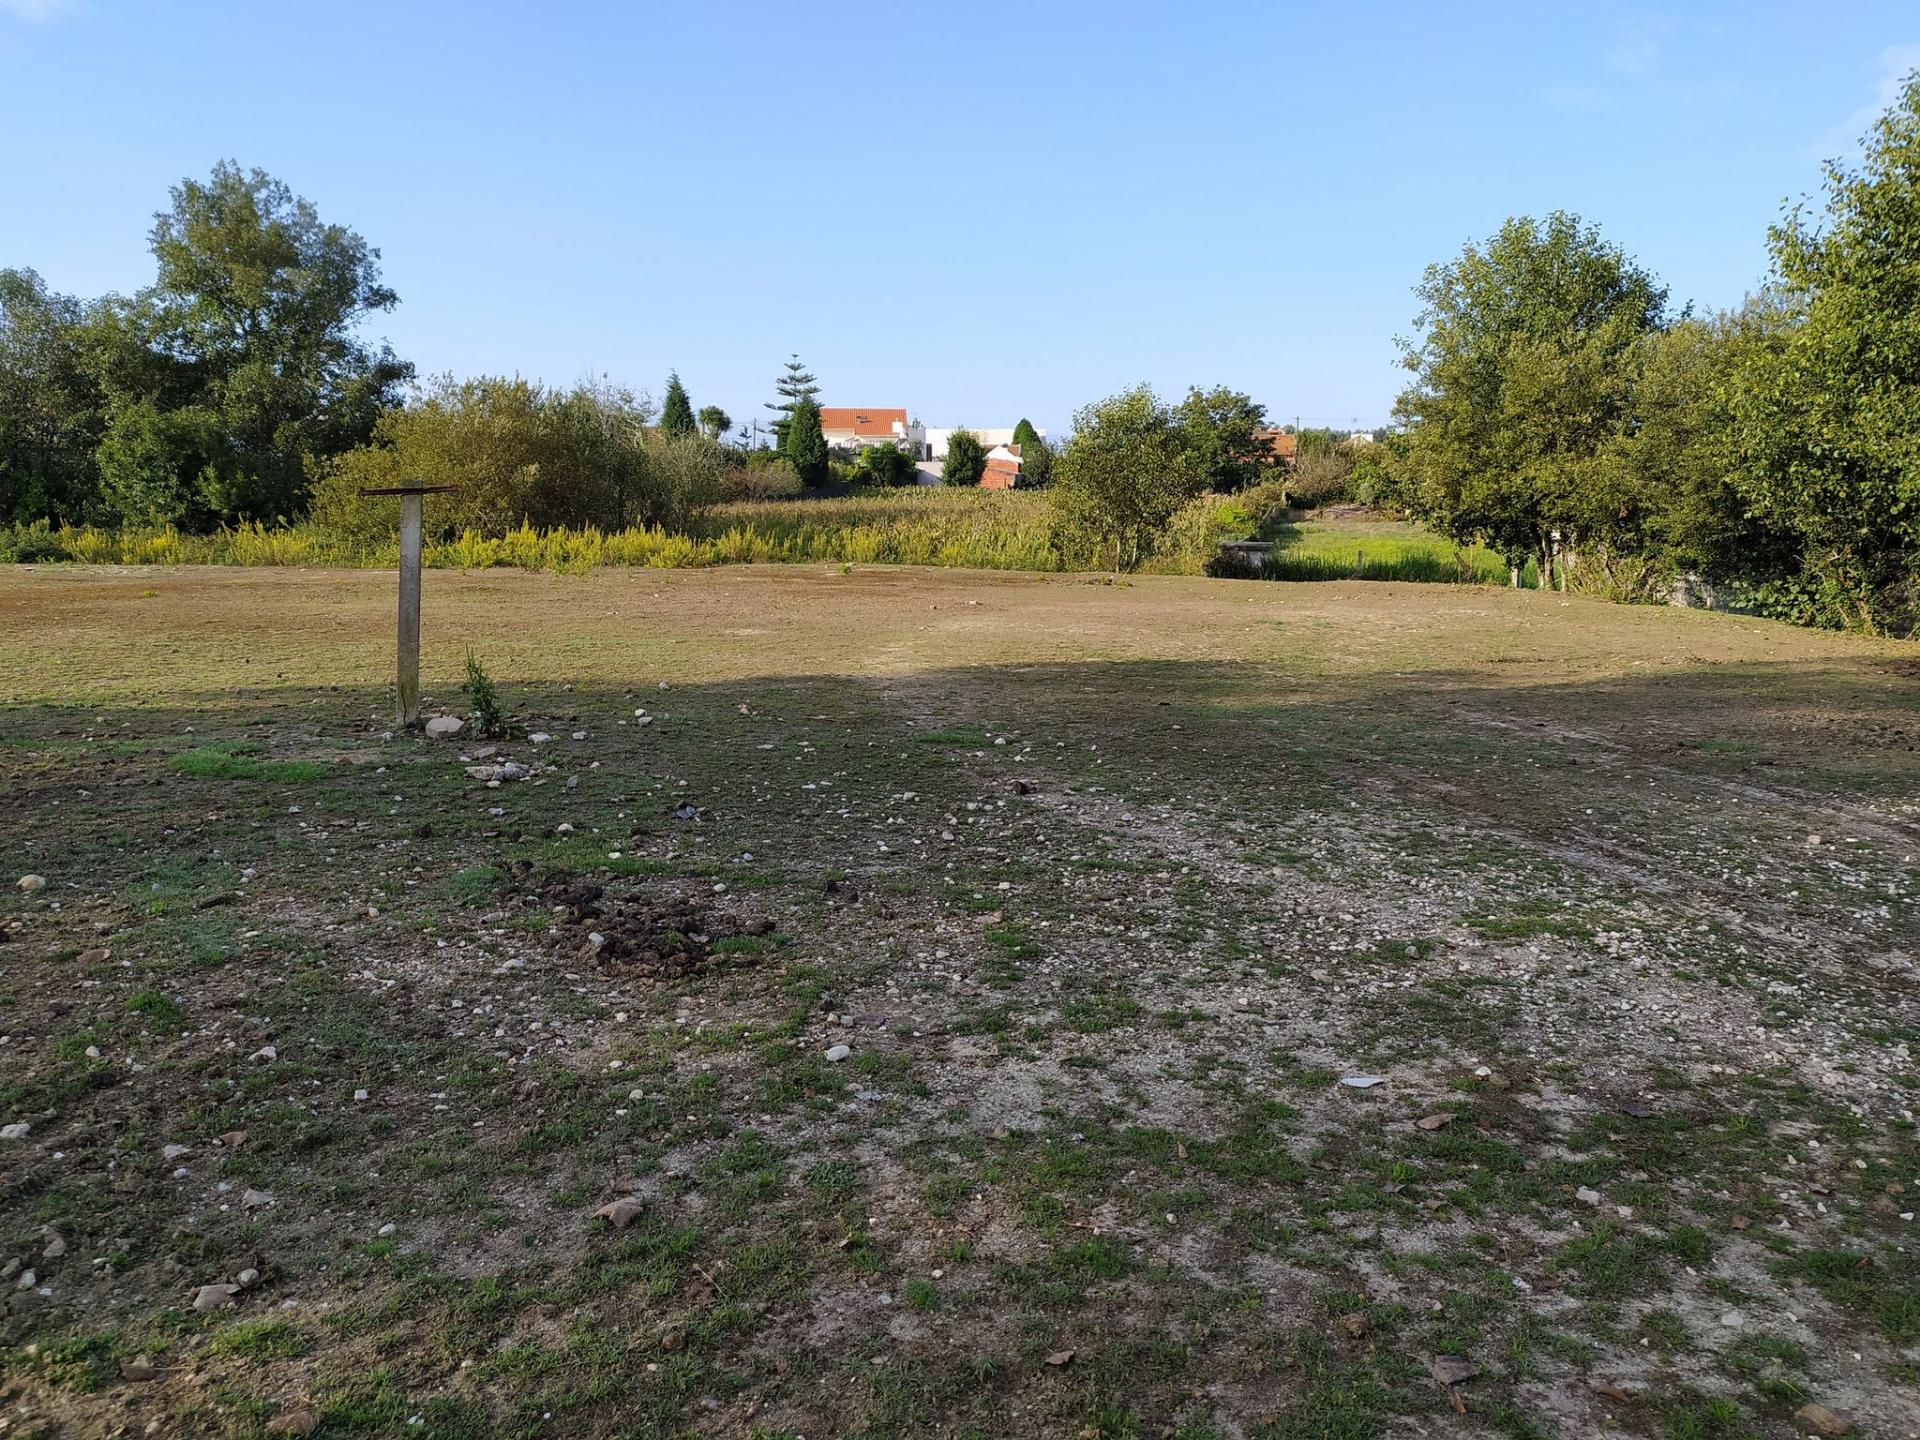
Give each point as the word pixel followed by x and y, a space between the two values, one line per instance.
pixel 488 718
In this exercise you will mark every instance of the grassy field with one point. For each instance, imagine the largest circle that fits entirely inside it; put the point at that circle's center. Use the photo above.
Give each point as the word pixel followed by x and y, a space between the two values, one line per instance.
pixel 908 1002
pixel 982 530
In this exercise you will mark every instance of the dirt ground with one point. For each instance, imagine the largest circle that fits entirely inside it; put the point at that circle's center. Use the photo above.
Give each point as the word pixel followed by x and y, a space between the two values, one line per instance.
pixel 898 1003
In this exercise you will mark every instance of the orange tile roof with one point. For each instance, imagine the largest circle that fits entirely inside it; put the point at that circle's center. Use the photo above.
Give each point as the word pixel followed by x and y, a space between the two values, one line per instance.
pixel 1282 446
pixel 878 423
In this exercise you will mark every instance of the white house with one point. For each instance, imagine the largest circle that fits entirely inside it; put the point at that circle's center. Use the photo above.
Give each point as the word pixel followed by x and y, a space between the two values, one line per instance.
pixel 937 438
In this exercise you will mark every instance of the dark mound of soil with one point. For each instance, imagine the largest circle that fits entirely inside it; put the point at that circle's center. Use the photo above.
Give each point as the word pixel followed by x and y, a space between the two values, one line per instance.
pixel 662 937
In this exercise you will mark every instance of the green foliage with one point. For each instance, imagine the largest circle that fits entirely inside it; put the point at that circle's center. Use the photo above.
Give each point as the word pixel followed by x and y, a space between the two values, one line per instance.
pixel 489 719
pixel 51 410
pixel 796 383
pixel 519 453
pixel 1522 378
pixel 806 444
pixel 1219 438
pixel 1121 478
pixel 676 412
pixel 966 460
pixel 714 422
pixel 886 465
pixel 1828 412
pixel 208 397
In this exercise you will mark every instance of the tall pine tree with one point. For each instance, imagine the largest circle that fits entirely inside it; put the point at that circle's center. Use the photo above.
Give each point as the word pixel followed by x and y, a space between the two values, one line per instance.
pixel 676 416
pixel 806 445
pixel 795 385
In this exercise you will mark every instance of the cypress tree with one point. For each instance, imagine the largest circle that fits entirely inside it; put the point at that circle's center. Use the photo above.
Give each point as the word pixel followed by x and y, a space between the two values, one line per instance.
pixel 806 445
pixel 676 416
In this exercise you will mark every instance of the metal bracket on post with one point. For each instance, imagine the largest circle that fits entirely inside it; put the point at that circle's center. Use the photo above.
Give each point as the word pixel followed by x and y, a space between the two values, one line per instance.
pixel 412 529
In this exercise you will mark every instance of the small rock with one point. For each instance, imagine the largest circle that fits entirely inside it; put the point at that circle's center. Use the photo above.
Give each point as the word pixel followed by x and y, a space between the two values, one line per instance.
pixel 294 1422
pixel 1586 1196
pixel 1825 1421
pixel 360 1095
pixel 174 1152
pixel 445 727
pixel 1434 1122
pixel 265 1055
pixel 98 955
pixel 1732 1319
pixel 31 883
pixel 248 1276
pixel 234 1139
pixel 1362 1082
pixel 28 1279
pixel 1610 1390
pixel 388 1229
pixel 251 1199
pixel 1452 1369
pixel 837 1053
pixel 1060 1357
pixel 540 737
pixel 141 1367
pixel 19 1130
pixel 55 1246
pixel 620 1213
pixel 214 1297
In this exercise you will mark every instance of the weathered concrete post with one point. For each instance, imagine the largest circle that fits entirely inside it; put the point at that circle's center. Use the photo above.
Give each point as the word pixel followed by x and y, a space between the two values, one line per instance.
pixel 412 531
pixel 408 648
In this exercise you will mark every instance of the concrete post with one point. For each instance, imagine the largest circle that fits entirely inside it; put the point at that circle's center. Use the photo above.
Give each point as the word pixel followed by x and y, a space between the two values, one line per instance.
pixel 409 647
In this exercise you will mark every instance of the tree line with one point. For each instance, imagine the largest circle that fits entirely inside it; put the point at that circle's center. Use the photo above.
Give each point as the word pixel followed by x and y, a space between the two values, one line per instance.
pixel 1562 412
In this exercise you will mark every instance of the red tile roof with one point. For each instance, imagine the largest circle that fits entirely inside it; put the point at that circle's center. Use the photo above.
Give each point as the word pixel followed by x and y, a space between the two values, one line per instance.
pixel 1283 446
pixel 878 423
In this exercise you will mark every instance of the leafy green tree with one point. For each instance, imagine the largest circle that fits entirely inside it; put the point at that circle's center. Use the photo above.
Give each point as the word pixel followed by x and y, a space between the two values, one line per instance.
pixel 1219 432
pixel 1121 478
pixel 1036 459
pixel 966 460
pixel 886 465
pixel 676 412
pixel 1828 415
pixel 253 319
pixel 796 383
pixel 1677 493
pixel 806 444
pixel 714 422
pixel 1522 379
pixel 51 408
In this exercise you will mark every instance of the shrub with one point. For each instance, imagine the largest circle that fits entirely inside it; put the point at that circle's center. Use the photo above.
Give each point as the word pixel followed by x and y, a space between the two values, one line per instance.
pixel 966 459
pixel 884 465
pixel 773 479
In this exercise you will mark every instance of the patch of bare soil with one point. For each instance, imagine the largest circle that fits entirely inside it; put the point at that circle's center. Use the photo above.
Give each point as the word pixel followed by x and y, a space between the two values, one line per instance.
pixel 631 933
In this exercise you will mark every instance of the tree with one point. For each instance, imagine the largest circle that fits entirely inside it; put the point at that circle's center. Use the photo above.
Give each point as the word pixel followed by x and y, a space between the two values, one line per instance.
pixel 714 422
pixel 1522 378
pixel 885 465
pixel 1036 460
pixel 252 321
pixel 966 459
pixel 1828 415
pixel 1121 478
pixel 805 444
pixel 796 383
pixel 676 411
pixel 51 409
pixel 1219 432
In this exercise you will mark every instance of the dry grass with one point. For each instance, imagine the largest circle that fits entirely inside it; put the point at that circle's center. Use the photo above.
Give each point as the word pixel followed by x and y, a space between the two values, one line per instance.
pixel 1104 887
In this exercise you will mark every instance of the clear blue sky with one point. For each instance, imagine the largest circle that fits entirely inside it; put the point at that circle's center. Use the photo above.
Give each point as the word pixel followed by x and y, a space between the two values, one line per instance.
pixel 977 211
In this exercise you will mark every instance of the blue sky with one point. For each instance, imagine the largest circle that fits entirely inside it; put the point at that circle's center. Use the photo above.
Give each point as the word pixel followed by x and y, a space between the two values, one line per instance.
pixel 977 211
